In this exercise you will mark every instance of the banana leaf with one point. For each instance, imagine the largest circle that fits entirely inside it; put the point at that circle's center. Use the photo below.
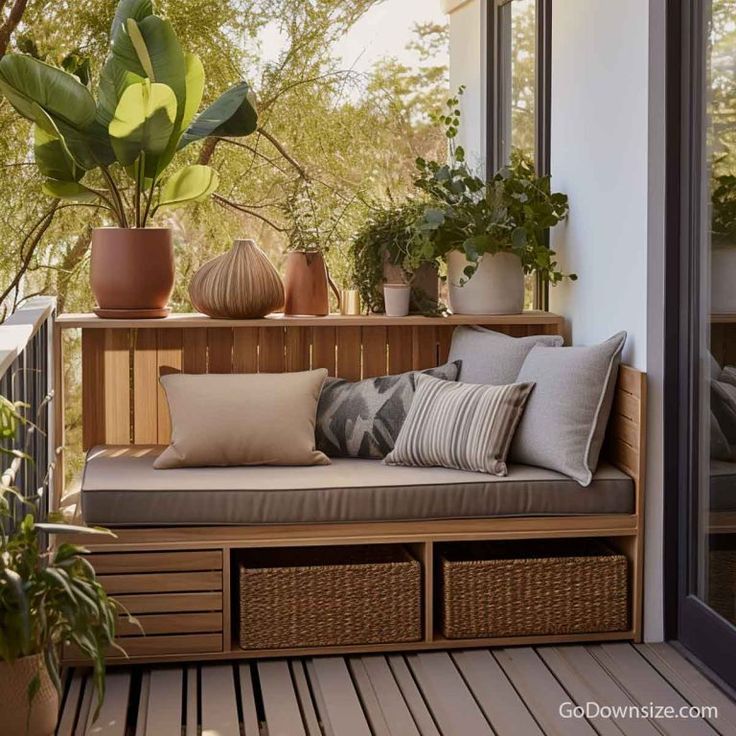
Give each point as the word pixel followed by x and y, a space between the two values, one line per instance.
pixel 53 158
pixel 136 9
pixel 190 184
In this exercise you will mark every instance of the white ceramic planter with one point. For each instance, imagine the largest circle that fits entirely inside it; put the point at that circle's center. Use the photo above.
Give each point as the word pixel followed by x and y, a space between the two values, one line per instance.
pixel 497 287
pixel 723 279
pixel 396 298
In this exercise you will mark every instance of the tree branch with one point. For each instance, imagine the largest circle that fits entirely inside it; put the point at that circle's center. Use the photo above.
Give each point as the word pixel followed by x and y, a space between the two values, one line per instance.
pixel 245 210
pixel 280 148
pixel 11 23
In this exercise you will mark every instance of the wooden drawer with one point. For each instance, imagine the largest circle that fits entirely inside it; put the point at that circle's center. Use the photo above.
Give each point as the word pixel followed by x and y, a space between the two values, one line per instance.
pixel 177 597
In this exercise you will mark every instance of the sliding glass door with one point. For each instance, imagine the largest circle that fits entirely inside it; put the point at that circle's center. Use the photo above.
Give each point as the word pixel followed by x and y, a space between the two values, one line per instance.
pixel 702 452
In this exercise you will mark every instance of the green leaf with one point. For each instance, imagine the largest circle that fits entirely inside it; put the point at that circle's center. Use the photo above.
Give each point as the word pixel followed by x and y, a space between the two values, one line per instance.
pixel 194 80
pixel 135 9
pixel 190 184
pixel 233 114
pixel 143 122
pixel 53 158
pixel 27 82
pixel 114 80
pixel 69 190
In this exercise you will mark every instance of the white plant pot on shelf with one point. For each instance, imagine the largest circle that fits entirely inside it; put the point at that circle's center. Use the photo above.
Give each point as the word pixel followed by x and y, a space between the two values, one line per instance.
pixel 497 286
pixel 723 279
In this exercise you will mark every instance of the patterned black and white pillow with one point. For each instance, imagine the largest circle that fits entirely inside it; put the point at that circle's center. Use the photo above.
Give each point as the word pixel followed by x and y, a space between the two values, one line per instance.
pixel 363 418
pixel 460 425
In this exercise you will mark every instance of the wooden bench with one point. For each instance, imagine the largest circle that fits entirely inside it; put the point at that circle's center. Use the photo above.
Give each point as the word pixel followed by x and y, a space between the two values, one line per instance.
pixel 189 568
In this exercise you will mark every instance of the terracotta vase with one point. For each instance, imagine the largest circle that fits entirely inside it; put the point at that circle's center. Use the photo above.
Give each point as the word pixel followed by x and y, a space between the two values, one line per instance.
pixel 14 681
pixel 240 284
pixel 132 271
pixel 306 284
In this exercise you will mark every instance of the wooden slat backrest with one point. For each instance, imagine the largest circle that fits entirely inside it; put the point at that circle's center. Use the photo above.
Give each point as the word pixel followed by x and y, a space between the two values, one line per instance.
pixel 123 402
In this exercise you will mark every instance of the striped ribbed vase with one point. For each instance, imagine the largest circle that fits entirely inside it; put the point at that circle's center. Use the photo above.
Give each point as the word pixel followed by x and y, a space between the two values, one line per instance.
pixel 240 284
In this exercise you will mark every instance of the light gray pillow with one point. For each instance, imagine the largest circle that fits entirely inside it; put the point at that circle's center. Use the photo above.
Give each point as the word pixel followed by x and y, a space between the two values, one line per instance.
pixel 459 425
pixel 491 357
pixel 363 418
pixel 565 420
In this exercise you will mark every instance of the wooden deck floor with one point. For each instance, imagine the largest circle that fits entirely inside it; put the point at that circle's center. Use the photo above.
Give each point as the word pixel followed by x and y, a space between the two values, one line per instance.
pixel 464 693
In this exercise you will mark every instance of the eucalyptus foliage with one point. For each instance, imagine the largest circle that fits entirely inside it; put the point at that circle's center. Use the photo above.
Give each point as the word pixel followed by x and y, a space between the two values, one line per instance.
pixel 144 112
pixel 49 597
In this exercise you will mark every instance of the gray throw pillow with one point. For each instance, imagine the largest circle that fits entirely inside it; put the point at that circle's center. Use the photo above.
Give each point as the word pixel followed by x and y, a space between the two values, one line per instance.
pixel 491 357
pixel 565 420
pixel 460 425
pixel 363 418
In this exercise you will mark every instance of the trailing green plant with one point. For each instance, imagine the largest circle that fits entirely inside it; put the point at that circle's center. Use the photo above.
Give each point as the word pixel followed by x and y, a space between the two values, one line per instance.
pixel 49 596
pixel 510 213
pixel 145 111
pixel 389 236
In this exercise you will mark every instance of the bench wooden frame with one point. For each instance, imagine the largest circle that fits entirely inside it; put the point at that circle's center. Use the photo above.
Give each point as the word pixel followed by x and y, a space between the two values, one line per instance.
pixel 189 567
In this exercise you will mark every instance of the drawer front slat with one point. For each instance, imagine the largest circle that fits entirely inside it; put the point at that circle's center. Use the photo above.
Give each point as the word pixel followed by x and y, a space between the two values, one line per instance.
pixel 147 562
pixel 170 602
pixel 170 623
pixel 156 583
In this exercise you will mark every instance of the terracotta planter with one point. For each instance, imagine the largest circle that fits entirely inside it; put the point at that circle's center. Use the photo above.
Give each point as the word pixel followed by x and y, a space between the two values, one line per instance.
pixel 14 681
pixel 132 271
pixel 425 285
pixel 306 285
pixel 497 286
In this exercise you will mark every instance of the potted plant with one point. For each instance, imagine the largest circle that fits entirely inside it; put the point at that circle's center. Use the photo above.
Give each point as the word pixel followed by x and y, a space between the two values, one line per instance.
pixel 49 597
pixel 385 250
pixel 723 244
pixel 491 233
pixel 306 278
pixel 91 150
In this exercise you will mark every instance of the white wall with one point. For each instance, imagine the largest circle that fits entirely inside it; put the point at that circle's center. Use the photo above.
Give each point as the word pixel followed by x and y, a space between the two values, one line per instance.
pixel 468 68
pixel 602 115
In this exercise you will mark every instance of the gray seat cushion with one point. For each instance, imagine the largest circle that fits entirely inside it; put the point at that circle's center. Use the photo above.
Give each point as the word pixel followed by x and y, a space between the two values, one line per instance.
pixel 120 487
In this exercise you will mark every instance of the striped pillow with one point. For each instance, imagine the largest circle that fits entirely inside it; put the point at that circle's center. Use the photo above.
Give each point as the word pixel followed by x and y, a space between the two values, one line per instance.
pixel 460 425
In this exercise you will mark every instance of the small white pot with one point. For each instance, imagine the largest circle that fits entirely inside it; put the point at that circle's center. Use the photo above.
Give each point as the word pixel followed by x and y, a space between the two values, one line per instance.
pixel 396 298
pixel 497 286
pixel 723 279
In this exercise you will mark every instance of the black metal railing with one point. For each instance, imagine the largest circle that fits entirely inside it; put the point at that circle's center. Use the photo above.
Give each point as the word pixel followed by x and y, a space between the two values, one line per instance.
pixel 26 376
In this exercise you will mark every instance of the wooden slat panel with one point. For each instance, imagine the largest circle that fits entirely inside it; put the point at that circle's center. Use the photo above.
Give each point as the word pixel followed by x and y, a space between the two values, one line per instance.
pixel 374 351
pixel 394 707
pixel 625 430
pixel 283 717
pixel 113 714
pixel 271 351
pixel 540 691
pixel 444 340
pixel 140 729
pixel 155 646
pixel 447 695
pixel 341 709
pixel 68 716
pixel 323 348
pixel 85 708
pixel 117 387
pixel 194 350
pixel 170 602
pixel 630 380
pixel 169 356
pixel 248 701
pixel 368 698
pixel 127 562
pixel 297 343
pixel 245 350
pixel 587 681
pixel 154 583
pixel 502 706
pixel 163 715
pixel 171 623
pixel 348 353
pixel 145 388
pixel 219 706
pixel 424 348
pixel 412 696
pixel 192 712
pixel 399 349
pixel 219 350
pixel 305 699
pixel 93 388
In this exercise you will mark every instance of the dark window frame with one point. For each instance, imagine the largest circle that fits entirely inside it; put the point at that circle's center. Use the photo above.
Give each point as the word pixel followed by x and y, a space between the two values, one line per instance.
pixel 494 114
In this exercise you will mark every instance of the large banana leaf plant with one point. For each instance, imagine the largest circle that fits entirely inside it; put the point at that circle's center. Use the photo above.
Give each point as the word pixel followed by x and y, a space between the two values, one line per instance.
pixel 145 111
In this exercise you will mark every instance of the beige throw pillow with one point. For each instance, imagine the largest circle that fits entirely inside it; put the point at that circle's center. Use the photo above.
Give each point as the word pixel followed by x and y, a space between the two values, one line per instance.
pixel 242 419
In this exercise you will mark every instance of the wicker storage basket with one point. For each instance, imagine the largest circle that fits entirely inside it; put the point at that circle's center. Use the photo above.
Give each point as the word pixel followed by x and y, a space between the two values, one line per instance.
pixel 501 589
pixel 329 596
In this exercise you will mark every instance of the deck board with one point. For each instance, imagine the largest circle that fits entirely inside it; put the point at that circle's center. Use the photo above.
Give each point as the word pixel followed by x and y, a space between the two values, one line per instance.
pixel 496 692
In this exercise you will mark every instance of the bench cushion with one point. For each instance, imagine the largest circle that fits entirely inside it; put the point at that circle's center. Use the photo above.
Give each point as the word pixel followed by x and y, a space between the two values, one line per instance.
pixel 120 487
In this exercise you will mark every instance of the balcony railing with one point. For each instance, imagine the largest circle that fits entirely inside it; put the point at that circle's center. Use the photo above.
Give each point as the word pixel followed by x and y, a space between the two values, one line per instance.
pixel 26 375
